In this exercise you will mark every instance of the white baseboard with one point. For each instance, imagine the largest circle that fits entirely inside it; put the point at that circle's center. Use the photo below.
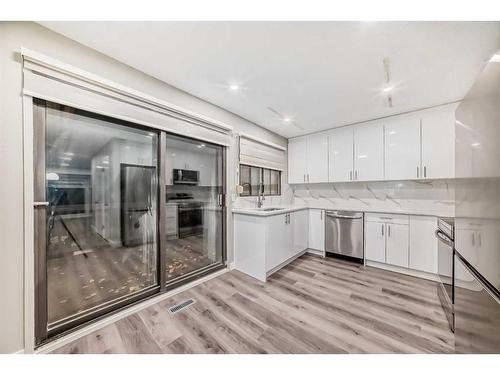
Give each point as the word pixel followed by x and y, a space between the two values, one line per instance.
pixel 47 348
pixel 316 252
pixel 19 352
pixel 288 261
pixel 231 266
pixel 406 271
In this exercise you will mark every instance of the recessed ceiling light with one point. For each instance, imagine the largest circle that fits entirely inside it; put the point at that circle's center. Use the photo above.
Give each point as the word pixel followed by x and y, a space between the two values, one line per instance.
pixel 388 89
pixel 287 119
pixel 495 58
pixel 475 144
pixel 201 145
pixel 234 87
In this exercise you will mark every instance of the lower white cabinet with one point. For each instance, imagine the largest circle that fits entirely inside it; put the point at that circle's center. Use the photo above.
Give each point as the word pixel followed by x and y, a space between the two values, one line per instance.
pixel 386 239
pixel 264 243
pixel 375 241
pixel 300 223
pixel 396 249
pixel 402 240
pixel 423 243
pixel 317 229
pixel 279 242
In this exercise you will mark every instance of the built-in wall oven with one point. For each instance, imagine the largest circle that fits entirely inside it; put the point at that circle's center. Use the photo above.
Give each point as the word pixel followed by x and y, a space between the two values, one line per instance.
pixel 445 235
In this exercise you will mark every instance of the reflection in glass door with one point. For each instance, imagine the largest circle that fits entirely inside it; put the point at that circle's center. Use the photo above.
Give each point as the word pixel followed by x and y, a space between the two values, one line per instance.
pixel 96 224
pixel 194 173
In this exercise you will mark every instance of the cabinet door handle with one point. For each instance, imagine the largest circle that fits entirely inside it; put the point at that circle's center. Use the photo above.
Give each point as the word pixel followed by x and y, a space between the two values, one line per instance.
pixel 356 175
pixel 382 229
pixel 304 177
pixel 388 230
pixel 417 171
pixel 479 241
pixel 425 171
pixel 473 239
pixel 308 177
pixel 350 175
pixel 321 214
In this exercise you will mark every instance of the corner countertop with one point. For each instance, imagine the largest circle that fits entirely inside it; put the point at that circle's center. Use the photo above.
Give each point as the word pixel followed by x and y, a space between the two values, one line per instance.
pixel 286 209
pixel 261 212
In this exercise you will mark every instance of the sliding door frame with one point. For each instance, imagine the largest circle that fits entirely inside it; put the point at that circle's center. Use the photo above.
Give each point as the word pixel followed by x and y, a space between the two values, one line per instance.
pixel 37 332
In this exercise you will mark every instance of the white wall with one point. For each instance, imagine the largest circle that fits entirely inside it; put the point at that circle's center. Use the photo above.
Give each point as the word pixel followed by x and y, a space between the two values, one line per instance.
pixel 14 35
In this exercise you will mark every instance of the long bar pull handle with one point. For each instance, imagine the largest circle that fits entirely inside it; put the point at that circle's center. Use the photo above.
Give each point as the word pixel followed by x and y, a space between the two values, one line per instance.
pixel 40 204
pixel 350 175
pixel 304 177
pixel 417 172
pixel 473 239
pixel 382 229
pixel 356 175
pixel 388 230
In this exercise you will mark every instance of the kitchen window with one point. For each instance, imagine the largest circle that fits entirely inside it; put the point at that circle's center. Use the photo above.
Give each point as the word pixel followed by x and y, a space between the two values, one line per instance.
pixel 251 177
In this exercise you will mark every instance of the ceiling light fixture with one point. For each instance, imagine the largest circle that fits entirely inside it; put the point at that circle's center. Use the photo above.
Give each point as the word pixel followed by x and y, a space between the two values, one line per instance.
pixel 287 119
pixel 495 58
pixel 388 89
pixel 234 87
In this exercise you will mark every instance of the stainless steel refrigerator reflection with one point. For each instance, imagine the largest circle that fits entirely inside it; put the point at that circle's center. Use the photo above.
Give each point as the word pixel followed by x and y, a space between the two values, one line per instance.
pixel 137 192
pixel 477 216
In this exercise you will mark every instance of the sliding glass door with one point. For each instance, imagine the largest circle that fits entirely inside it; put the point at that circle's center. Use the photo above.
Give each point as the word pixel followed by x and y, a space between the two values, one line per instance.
pixel 122 212
pixel 97 215
pixel 194 173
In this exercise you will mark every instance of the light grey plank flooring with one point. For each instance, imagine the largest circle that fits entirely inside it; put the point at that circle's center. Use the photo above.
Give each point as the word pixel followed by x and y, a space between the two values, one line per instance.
pixel 313 305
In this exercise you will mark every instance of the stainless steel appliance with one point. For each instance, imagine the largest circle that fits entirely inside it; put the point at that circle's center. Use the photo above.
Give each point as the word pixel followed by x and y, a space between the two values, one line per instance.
pixel 190 218
pixel 477 216
pixel 344 234
pixel 137 190
pixel 185 177
pixel 189 214
pixel 445 235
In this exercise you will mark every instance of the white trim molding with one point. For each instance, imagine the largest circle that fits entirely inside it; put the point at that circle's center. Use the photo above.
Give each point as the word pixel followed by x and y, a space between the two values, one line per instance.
pixel 263 141
pixel 53 80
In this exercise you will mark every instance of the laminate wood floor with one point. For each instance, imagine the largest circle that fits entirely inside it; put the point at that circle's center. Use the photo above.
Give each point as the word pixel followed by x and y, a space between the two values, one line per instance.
pixel 313 305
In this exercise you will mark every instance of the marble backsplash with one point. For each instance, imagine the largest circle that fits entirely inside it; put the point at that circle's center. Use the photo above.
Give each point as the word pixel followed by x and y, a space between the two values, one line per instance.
pixel 435 197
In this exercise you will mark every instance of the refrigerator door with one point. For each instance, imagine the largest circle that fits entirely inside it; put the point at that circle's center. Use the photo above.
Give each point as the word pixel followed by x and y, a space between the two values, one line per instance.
pixel 137 189
pixel 477 312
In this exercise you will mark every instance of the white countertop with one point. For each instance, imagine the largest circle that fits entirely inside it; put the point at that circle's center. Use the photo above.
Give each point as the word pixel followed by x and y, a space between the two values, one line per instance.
pixel 286 209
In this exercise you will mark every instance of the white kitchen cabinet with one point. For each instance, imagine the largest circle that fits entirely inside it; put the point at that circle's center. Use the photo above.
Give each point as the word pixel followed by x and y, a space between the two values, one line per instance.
pixel 375 241
pixel 263 244
pixel 402 148
pixel 317 229
pixel 369 152
pixel 423 243
pixel 279 240
pixel 396 249
pixel 297 160
pixel 317 158
pixel 341 151
pixel 300 222
pixel 438 143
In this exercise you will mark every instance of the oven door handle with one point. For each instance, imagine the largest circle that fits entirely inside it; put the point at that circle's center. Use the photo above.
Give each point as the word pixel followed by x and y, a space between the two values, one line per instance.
pixel 443 238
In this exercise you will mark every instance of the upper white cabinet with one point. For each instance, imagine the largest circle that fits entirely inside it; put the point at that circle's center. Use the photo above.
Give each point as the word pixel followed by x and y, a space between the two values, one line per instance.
pixel 369 152
pixel 419 145
pixel 308 159
pixel 438 143
pixel 317 158
pixel 341 151
pixel 402 148
pixel 297 160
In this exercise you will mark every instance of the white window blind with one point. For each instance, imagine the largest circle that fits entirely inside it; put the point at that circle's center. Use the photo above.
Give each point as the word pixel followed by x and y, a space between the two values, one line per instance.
pixel 261 153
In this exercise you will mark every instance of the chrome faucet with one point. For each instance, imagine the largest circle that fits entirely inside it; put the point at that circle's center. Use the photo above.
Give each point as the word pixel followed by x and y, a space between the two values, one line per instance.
pixel 260 197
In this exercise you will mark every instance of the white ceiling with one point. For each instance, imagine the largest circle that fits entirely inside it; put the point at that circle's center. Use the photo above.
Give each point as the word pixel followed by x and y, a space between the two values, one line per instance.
pixel 321 74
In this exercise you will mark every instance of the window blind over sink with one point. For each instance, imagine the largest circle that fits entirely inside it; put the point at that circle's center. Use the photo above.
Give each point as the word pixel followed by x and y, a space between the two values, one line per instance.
pixel 260 153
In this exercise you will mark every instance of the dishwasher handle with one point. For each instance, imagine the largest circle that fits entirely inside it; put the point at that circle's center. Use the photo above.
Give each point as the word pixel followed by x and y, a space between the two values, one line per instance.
pixel 357 215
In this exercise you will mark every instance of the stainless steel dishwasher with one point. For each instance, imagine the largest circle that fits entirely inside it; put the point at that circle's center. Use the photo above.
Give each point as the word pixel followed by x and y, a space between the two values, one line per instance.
pixel 344 234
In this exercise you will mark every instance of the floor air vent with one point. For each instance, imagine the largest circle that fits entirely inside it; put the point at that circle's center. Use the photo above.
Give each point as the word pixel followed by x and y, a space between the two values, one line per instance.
pixel 180 306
